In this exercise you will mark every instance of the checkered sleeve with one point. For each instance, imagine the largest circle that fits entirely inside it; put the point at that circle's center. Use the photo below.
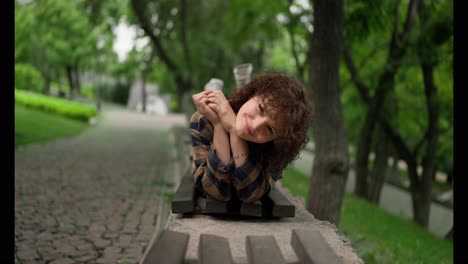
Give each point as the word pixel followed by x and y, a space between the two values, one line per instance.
pixel 251 181
pixel 207 168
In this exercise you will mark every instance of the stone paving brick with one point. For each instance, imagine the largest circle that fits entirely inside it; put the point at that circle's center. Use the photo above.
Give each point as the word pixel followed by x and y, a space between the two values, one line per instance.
pixel 91 198
pixel 110 235
pixel 89 257
pixel 34 262
pixel 27 253
pixel 62 261
pixel 101 243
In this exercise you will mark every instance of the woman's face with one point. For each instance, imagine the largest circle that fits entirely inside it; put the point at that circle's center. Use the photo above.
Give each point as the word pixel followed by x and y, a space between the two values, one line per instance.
pixel 253 122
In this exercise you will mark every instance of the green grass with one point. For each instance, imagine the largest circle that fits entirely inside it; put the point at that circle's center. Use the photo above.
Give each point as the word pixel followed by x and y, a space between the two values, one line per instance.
pixel 37 126
pixel 296 181
pixel 379 236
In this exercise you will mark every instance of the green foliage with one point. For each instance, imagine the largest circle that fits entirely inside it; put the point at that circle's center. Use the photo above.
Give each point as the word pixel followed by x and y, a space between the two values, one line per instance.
pixel 63 87
pixel 54 34
pixel 65 30
pixel 74 110
pixel 33 126
pixel 409 90
pixel 27 77
pixel 368 30
pixel 444 80
pixel 364 17
pixel 88 91
pixel 119 93
pixel 220 35
pixel 279 57
pixel 173 104
pixel 113 91
pixel 24 22
pixel 379 236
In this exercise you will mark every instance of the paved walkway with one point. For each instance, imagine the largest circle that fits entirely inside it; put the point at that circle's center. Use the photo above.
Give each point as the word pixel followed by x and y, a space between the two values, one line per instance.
pixel 94 198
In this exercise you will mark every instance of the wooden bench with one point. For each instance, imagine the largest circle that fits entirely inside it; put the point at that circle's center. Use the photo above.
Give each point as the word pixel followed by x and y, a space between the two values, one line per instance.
pixel 308 244
pixel 188 200
pixel 204 239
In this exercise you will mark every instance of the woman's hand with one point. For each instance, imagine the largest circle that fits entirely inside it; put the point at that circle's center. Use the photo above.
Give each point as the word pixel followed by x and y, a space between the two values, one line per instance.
pixel 217 101
pixel 201 103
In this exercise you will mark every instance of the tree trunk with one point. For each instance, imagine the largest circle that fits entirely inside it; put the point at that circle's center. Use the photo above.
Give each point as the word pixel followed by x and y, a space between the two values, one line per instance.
pixel 259 54
pixel 71 82
pixel 449 235
pixel 184 80
pixel 379 168
pixel 47 81
pixel 423 201
pixel 429 159
pixel 361 187
pixel 331 162
pixel 143 93
pixel 421 188
pixel 76 78
pixel 385 84
pixel 450 176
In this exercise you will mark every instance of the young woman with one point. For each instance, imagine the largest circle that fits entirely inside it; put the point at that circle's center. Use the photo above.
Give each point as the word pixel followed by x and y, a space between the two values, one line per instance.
pixel 242 145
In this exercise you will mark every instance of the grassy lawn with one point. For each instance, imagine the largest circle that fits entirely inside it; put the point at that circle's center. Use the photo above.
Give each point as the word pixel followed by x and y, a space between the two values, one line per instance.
pixel 36 126
pixel 379 236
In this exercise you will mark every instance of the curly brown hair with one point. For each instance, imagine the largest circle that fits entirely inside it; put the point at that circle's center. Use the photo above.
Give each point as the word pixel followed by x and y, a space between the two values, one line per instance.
pixel 293 112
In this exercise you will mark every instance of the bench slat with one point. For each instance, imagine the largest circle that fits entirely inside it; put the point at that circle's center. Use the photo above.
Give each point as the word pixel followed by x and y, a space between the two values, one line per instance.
pixel 187 200
pixel 170 248
pixel 183 201
pixel 213 250
pixel 215 206
pixel 277 205
pixel 311 247
pixel 263 250
pixel 251 209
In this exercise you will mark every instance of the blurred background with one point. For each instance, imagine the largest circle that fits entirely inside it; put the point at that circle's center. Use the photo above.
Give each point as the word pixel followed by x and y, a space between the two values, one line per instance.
pixel 394 90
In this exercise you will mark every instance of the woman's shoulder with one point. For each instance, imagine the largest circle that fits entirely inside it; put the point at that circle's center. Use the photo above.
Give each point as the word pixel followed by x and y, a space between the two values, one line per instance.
pixel 196 117
pixel 201 120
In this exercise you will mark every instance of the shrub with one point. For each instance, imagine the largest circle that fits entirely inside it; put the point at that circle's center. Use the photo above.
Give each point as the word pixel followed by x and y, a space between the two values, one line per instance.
pixel 27 77
pixel 120 92
pixel 71 109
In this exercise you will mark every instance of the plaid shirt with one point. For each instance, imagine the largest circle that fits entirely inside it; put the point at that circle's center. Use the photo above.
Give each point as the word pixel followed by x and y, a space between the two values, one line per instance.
pixel 221 181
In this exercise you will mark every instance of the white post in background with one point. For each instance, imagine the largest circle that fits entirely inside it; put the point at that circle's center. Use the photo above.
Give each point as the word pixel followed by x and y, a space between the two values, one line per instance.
pixel 214 84
pixel 242 74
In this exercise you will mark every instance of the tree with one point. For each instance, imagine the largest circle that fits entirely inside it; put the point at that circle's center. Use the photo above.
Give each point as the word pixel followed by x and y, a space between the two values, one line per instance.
pixel 197 46
pixel 165 19
pixel 384 85
pixel 331 162
pixel 298 24
pixel 54 34
pixel 420 152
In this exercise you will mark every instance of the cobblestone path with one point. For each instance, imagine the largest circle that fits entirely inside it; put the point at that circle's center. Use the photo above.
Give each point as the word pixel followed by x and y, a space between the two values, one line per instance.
pixel 93 198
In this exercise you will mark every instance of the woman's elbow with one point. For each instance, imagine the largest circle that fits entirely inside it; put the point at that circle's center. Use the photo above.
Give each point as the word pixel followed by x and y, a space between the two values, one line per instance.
pixel 215 193
pixel 252 197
